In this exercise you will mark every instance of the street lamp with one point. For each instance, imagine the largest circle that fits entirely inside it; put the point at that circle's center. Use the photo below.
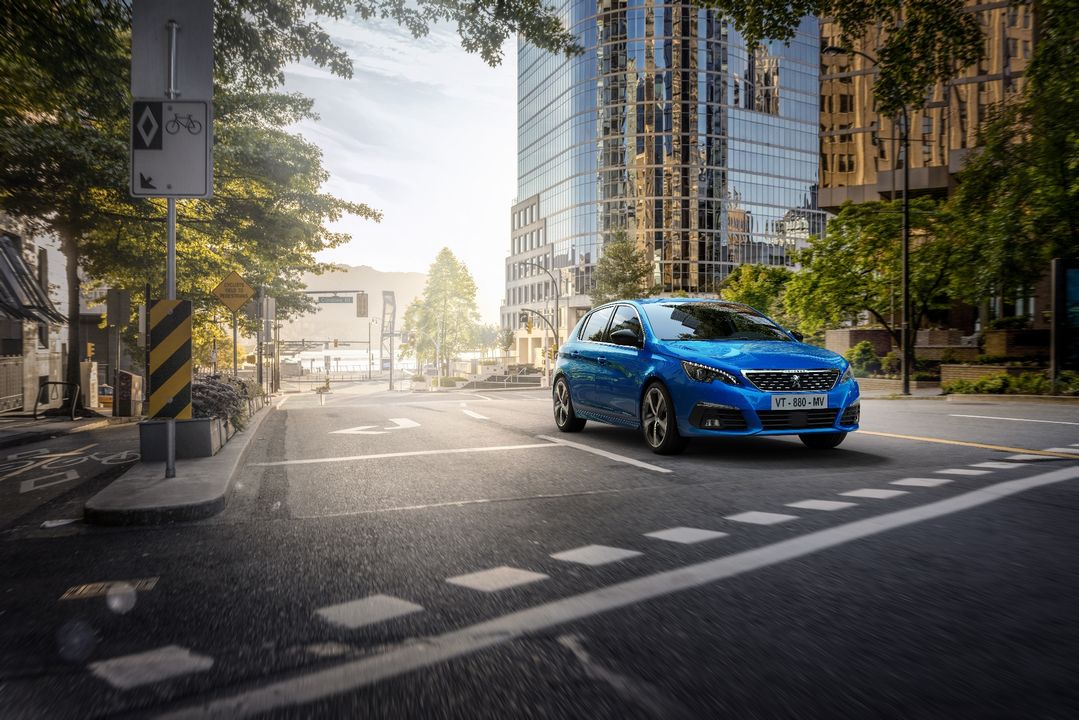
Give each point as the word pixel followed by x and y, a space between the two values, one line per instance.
pixel 904 142
pixel 557 292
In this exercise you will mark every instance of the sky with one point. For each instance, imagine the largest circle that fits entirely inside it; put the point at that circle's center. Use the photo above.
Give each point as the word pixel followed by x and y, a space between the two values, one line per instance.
pixel 426 133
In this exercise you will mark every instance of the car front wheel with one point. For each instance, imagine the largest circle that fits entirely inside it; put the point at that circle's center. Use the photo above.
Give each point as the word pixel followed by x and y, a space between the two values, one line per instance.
pixel 822 441
pixel 564 417
pixel 658 422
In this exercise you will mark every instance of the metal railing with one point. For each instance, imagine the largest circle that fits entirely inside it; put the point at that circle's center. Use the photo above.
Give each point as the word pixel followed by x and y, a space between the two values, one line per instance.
pixel 11 379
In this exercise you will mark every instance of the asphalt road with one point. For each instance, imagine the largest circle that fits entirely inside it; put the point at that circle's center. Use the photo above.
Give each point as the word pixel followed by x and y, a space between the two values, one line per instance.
pixel 409 555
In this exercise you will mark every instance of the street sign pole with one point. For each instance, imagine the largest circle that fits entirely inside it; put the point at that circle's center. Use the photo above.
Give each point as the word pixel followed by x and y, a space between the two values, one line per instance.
pixel 235 351
pixel 170 262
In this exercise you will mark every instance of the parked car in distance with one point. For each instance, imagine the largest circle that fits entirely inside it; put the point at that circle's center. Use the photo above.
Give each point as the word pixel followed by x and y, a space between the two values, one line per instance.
pixel 679 368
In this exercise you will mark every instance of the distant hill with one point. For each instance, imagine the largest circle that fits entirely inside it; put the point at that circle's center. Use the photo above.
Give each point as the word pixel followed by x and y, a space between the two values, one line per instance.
pixel 339 320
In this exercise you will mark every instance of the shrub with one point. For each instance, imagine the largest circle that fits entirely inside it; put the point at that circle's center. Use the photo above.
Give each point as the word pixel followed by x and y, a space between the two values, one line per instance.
pixel 862 359
pixel 958 387
pixel 1029 383
pixel 1015 322
pixel 418 378
pixel 1068 383
pixel 891 363
pixel 992 385
pixel 214 396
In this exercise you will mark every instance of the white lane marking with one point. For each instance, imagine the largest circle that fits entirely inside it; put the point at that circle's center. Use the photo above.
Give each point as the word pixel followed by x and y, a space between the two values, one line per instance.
pixel 685 535
pixel 368 611
pixel 411 453
pixel 409 656
pixel 994 417
pixel 595 555
pixel 1027 458
pixel 962 471
pixel 496 579
pixel 874 493
pixel 474 414
pixel 402 423
pixel 128 671
pixel 761 518
pixel 283 401
pixel 604 453
pixel 484 397
pixel 359 430
pixel 998 465
pixel 1063 450
pixel 58 523
pixel 821 504
pixel 921 482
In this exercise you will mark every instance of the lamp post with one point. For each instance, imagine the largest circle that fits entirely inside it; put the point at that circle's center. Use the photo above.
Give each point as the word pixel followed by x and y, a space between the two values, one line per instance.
pixel 904 142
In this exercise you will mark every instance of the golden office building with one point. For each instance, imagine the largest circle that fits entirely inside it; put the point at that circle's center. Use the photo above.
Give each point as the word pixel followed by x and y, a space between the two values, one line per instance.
pixel 859 149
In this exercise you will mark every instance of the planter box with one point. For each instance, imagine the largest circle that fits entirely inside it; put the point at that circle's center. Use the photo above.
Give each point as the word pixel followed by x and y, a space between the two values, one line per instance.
pixel 894 386
pixel 973 373
pixel 201 437
pixel 1017 343
pixel 840 341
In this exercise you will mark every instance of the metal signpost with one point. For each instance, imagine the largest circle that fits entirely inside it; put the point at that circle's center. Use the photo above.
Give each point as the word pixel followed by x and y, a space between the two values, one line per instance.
pixel 389 315
pixel 234 292
pixel 171 120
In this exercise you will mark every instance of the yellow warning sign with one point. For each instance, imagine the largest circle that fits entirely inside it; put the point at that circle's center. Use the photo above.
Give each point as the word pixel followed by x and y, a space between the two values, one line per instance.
pixel 234 292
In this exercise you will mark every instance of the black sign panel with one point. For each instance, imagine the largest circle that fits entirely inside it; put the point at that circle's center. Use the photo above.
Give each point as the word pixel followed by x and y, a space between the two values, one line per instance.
pixel 146 127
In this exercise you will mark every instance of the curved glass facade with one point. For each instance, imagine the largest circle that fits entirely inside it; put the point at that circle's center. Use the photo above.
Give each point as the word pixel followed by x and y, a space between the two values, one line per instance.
pixel 670 130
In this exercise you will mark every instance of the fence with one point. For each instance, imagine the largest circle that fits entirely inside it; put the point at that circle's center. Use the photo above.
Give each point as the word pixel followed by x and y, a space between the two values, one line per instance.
pixel 11 372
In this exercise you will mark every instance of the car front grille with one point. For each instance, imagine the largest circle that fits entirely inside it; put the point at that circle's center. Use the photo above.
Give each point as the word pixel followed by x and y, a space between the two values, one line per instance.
pixel 796 419
pixel 792 380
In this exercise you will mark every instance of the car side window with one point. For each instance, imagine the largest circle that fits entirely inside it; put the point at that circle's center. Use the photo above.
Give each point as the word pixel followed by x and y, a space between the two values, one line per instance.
pixel 625 318
pixel 595 328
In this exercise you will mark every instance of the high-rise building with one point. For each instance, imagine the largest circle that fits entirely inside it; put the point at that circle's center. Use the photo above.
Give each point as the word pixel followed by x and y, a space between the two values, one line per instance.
pixel 860 159
pixel 668 130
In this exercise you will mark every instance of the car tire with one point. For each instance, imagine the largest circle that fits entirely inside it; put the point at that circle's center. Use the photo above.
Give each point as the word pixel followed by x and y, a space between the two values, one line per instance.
pixel 564 417
pixel 822 441
pixel 658 422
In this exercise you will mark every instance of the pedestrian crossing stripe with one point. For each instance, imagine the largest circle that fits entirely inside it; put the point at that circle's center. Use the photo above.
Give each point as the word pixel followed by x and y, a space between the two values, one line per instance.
pixel 170 359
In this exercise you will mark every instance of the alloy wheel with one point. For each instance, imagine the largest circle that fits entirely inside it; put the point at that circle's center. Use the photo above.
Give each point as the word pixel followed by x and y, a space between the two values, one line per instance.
pixel 655 417
pixel 561 403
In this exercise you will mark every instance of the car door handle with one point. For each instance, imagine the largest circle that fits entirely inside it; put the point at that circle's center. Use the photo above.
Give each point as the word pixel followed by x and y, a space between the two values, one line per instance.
pixel 573 354
pixel 601 360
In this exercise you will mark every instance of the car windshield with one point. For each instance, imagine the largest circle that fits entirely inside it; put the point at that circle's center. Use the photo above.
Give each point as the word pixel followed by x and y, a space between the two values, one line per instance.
pixel 710 321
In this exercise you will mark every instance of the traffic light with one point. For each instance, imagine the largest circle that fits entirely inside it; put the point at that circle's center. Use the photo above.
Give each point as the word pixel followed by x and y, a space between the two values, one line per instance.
pixel 89 351
pixel 361 304
pixel 405 338
pixel 335 342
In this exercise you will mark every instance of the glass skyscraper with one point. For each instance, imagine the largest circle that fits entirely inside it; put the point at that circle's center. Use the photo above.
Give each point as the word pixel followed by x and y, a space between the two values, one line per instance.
pixel 667 129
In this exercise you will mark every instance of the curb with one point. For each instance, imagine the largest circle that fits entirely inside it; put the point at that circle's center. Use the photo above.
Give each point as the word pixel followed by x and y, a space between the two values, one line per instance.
pixel 130 499
pixel 990 399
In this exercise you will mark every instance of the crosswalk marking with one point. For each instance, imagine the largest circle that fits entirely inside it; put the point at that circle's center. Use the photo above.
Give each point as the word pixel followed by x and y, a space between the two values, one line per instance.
pixel 595 555
pixel 128 671
pixel 685 535
pixel 874 493
pixel 368 611
pixel 921 482
pixel 495 579
pixel 821 504
pixel 998 465
pixel 755 517
pixel 962 471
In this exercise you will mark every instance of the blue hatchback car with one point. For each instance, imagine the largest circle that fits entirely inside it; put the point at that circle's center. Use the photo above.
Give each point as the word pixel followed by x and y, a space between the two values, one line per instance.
pixel 682 368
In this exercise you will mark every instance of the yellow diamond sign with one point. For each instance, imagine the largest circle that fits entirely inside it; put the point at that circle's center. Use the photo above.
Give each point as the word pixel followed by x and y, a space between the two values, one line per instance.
pixel 234 292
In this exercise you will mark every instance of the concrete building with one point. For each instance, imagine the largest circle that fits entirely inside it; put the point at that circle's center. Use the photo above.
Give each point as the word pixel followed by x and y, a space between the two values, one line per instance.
pixel 668 130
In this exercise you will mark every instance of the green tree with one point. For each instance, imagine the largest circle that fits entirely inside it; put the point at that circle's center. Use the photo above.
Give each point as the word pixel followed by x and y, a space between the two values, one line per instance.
pixel 759 286
pixel 486 337
pixel 1017 202
pixel 623 271
pixel 443 319
pixel 856 266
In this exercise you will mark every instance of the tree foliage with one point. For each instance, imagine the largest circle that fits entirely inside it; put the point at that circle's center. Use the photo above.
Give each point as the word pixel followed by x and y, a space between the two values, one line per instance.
pixel 759 286
pixel 623 271
pixel 1017 203
pixel 442 321
pixel 856 266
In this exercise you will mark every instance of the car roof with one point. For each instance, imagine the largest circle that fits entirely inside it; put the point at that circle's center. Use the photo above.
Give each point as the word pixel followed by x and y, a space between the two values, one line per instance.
pixel 673 300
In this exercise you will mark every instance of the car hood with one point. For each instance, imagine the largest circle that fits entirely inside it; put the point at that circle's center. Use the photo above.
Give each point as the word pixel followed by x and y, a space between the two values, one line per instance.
pixel 760 355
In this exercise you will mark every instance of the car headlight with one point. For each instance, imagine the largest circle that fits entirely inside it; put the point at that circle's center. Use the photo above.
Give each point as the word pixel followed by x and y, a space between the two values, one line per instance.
pixel 847 375
pixel 703 373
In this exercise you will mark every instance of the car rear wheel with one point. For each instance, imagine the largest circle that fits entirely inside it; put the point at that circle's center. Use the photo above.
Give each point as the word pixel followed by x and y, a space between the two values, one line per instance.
pixel 822 441
pixel 658 422
pixel 564 417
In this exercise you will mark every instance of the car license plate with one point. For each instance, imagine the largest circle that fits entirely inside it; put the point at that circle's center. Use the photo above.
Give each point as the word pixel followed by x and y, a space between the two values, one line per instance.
pixel 799 402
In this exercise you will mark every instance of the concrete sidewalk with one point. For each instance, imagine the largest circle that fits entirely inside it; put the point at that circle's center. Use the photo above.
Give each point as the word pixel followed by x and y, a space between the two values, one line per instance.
pixel 18 430
pixel 142 495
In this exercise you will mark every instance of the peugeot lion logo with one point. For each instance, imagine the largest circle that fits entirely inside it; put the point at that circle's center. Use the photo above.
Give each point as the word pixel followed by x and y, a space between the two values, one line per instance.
pixel 796 382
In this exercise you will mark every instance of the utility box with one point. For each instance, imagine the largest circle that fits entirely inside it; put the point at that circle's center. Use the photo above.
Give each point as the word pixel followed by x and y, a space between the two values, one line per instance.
pixel 88 383
pixel 127 398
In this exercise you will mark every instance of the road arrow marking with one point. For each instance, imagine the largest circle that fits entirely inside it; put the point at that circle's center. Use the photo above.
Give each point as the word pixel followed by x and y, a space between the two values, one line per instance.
pixel 398 424
pixel 402 423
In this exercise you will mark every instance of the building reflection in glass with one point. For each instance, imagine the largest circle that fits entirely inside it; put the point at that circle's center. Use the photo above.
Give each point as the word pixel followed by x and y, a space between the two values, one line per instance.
pixel 670 130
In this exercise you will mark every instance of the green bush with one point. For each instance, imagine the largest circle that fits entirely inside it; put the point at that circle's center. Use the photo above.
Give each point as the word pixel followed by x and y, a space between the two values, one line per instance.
pixel 891 364
pixel 957 387
pixel 862 359
pixel 1029 383
pixel 418 378
pixel 217 396
pixel 1068 383
pixel 1015 322
pixel 449 381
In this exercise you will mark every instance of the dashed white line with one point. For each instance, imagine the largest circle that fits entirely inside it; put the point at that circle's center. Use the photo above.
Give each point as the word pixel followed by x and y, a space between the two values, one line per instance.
pixel 595 555
pixel 755 517
pixel 1071 450
pixel 685 535
pixel 962 471
pixel 921 482
pixel 604 453
pixel 994 417
pixel 495 579
pixel 407 657
pixel 1024 457
pixel 874 493
pixel 821 504
pixel 128 671
pixel 473 414
pixel 998 465
pixel 368 611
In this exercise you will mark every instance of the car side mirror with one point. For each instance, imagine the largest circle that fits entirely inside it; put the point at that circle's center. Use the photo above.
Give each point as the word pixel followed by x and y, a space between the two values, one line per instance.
pixel 797 335
pixel 625 336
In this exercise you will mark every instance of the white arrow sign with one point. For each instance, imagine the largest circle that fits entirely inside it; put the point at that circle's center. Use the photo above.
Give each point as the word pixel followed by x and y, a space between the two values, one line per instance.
pixel 398 424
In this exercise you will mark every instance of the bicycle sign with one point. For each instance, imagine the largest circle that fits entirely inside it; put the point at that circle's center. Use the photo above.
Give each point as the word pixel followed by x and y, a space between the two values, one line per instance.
pixel 61 464
pixel 171 148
